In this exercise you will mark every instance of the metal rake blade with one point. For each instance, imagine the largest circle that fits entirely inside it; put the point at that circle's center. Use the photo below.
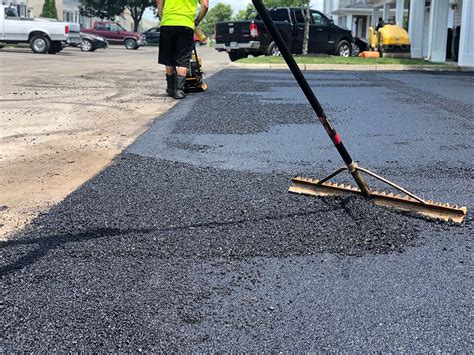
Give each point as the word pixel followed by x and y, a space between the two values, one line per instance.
pixel 446 212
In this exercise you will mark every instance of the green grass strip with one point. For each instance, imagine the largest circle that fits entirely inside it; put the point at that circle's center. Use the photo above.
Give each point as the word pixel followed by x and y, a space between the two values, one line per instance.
pixel 335 60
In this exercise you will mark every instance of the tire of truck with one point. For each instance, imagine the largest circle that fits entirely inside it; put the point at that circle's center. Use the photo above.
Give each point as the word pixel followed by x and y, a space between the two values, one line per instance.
pixel 273 50
pixel 131 44
pixel 344 49
pixel 40 44
pixel 356 51
pixel 55 47
pixel 237 55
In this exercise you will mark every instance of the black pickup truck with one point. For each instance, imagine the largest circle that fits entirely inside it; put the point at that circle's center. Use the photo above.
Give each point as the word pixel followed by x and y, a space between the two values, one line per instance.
pixel 241 38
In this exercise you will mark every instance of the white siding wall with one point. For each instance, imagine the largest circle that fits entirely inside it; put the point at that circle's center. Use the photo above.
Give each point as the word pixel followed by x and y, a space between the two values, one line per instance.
pixel 458 14
pixel 426 31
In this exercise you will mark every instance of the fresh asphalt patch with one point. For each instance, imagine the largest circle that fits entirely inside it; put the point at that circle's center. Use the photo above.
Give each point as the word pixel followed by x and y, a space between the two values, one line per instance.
pixel 190 241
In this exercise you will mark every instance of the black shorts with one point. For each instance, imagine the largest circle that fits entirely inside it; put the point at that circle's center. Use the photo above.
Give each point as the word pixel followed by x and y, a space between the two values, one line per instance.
pixel 176 45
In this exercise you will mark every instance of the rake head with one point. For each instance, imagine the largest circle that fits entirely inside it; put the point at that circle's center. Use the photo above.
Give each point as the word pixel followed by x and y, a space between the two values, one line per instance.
pixel 406 201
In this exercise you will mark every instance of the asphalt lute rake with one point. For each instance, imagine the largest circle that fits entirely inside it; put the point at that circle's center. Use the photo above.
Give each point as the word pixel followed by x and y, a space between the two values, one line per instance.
pixel 404 201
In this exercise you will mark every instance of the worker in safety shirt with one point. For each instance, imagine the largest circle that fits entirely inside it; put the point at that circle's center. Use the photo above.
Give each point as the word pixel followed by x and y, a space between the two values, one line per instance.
pixel 178 19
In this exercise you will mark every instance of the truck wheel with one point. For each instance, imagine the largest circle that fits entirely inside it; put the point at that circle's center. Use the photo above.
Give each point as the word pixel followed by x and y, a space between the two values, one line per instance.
pixel 344 49
pixel 56 47
pixel 273 50
pixel 237 55
pixel 86 45
pixel 40 44
pixel 131 44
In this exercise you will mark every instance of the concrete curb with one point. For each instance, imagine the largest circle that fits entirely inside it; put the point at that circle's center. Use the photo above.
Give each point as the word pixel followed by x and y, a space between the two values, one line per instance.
pixel 348 67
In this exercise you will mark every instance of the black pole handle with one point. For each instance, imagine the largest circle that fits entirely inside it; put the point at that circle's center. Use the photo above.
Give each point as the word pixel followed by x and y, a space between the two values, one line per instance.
pixel 290 61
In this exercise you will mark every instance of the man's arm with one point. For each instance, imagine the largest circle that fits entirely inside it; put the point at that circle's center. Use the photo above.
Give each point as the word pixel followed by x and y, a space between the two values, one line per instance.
pixel 202 11
pixel 159 7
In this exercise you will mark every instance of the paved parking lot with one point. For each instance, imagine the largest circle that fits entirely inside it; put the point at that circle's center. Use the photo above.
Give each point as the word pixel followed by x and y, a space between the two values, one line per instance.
pixel 65 116
pixel 189 240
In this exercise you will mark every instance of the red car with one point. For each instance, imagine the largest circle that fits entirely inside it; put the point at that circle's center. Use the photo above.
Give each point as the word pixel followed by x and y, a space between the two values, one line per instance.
pixel 116 34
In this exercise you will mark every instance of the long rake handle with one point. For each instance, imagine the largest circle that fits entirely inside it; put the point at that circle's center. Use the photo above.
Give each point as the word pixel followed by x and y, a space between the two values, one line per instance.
pixel 290 61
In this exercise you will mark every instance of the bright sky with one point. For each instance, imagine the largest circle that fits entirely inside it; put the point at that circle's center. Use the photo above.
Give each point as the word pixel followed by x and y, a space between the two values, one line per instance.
pixel 240 5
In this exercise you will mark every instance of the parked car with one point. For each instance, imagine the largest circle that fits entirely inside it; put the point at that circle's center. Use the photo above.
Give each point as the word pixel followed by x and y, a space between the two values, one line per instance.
pixel 241 38
pixel 114 33
pixel 90 42
pixel 43 35
pixel 152 35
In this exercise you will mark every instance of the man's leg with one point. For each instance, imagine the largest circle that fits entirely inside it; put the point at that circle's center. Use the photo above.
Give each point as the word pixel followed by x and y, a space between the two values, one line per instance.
pixel 183 71
pixel 170 79
pixel 166 57
pixel 184 46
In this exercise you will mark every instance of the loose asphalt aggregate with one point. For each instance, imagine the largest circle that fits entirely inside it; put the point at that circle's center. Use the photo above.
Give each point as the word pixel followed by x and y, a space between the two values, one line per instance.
pixel 189 240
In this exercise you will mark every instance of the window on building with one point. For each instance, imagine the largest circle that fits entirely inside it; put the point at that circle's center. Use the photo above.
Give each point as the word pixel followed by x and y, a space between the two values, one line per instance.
pixel 22 11
pixel 71 16
pixel 86 22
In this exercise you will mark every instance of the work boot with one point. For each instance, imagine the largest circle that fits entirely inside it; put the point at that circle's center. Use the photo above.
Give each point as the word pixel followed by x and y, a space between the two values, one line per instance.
pixel 170 84
pixel 179 87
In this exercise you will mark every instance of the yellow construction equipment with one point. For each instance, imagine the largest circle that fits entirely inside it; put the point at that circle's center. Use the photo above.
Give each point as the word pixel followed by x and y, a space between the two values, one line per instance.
pixel 389 40
pixel 194 77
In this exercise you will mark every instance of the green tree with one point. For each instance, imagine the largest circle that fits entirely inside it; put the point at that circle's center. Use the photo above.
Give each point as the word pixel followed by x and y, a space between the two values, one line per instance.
pixel 110 8
pixel 285 3
pixel 49 9
pixel 136 9
pixel 103 9
pixel 248 14
pixel 220 12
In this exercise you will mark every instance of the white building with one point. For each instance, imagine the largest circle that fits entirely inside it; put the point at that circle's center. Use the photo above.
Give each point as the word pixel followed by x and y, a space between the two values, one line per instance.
pixel 68 10
pixel 438 29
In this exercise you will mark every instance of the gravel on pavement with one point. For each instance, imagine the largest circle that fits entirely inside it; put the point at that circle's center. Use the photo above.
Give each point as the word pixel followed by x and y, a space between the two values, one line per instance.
pixel 189 240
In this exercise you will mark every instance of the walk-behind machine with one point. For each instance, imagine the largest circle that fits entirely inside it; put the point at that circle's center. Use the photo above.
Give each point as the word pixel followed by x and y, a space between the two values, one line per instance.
pixel 194 79
pixel 324 187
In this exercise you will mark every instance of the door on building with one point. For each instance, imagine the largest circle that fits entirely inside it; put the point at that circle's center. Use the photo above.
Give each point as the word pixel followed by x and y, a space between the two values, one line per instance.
pixel 361 26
